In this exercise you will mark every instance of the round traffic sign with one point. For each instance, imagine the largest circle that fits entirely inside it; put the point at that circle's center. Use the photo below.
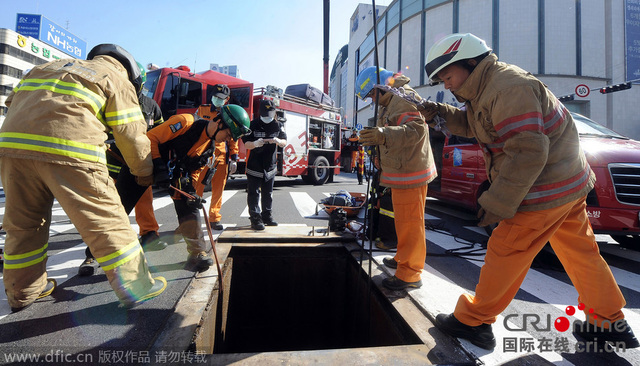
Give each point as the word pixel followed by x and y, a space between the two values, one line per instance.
pixel 359 126
pixel 582 90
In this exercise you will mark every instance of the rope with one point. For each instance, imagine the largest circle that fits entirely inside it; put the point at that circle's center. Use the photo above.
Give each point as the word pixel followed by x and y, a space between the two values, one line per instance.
pixel 213 247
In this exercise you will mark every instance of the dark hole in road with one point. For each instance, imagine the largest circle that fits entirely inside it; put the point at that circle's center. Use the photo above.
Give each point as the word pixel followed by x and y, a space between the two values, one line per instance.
pixel 303 298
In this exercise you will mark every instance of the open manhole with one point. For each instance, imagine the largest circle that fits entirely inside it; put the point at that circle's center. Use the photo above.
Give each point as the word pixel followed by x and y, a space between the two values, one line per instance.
pixel 303 298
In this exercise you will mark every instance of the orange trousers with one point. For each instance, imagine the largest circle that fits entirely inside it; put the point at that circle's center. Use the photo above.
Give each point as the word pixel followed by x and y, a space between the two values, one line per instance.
pixel 512 248
pixel 408 208
pixel 145 217
pixel 218 182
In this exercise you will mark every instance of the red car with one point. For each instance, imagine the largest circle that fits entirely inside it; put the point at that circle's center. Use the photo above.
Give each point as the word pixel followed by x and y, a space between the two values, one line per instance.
pixel 613 205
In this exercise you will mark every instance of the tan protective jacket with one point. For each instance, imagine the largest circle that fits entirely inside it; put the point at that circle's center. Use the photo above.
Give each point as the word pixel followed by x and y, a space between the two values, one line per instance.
pixel 406 159
pixel 530 142
pixel 62 110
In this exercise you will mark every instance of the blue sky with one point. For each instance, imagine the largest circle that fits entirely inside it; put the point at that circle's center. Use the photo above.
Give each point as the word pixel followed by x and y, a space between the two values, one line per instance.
pixel 277 42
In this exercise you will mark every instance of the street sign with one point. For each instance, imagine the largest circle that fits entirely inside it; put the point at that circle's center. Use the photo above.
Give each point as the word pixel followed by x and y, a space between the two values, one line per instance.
pixel 359 126
pixel 582 90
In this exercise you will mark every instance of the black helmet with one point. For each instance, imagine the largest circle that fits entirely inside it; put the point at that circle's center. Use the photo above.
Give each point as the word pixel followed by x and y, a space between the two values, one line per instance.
pixel 124 57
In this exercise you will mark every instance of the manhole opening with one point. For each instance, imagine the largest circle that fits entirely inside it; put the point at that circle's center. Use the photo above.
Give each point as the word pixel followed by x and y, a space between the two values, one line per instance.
pixel 303 298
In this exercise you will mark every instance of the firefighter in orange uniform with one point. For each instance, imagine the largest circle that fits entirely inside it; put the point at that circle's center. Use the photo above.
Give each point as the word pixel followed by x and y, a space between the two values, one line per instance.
pixel 180 148
pixel 52 146
pixel 145 217
pixel 226 157
pixel 354 157
pixel 407 166
pixel 360 163
pixel 539 181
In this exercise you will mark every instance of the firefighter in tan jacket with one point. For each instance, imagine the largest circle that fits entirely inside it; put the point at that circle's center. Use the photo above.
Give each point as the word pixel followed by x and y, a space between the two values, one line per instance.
pixel 52 146
pixel 539 181
pixel 407 167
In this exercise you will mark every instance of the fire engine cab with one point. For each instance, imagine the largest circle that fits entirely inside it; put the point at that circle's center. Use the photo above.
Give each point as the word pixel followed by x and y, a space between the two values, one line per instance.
pixel 313 129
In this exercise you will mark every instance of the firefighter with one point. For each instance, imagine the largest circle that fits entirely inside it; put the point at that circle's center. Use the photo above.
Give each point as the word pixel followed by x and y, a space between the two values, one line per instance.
pixel 226 157
pixel 407 166
pixel 353 139
pixel 267 134
pixel 360 163
pixel 52 146
pixel 130 193
pixel 145 217
pixel 180 148
pixel 539 181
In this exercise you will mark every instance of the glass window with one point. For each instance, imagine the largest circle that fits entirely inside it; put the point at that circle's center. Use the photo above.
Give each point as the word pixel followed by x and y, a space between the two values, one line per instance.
pixel 315 134
pixel 190 94
pixel 587 126
pixel 241 96
pixel 393 15
pixel 330 136
pixel 169 98
pixel 382 26
pixel 367 45
pixel 410 7
pixel 430 3
pixel 151 84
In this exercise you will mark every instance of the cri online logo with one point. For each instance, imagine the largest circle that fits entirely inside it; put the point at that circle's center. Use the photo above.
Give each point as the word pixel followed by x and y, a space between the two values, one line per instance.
pixel 562 324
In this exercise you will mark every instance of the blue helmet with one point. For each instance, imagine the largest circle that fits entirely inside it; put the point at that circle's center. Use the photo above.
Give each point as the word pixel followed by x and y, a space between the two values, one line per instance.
pixel 367 79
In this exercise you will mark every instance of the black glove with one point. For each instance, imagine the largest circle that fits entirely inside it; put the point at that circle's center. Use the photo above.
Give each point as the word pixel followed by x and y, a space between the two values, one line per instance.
pixel 196 202
pixel 197 162
pixel 161 173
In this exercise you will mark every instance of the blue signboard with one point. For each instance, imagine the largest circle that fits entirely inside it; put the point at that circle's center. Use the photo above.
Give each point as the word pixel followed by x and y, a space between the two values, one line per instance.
pixel 28 25
pixel 62 39
pixel 37 26
pixel 632 38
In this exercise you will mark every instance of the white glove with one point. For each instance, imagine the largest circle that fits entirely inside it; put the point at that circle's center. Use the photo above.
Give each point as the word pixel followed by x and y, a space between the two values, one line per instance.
pixel 233 166
pixel 258 143
pixel 280 142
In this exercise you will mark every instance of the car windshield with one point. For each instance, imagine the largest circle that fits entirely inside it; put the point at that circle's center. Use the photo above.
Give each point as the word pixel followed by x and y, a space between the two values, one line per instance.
pixel 150 85
pixel 589 127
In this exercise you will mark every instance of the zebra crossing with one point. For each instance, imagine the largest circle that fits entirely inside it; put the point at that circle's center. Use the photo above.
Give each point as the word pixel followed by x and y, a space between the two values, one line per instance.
pixel 544 293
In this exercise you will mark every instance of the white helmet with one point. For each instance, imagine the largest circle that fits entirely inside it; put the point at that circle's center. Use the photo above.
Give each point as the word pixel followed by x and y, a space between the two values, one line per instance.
pixel 452 48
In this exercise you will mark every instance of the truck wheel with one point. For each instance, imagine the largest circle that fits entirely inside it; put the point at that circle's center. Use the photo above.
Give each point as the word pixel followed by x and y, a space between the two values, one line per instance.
pixel 628 241
pixel 320 173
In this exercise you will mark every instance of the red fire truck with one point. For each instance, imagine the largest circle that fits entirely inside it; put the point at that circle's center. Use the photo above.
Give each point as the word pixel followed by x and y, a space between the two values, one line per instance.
pixel 313 129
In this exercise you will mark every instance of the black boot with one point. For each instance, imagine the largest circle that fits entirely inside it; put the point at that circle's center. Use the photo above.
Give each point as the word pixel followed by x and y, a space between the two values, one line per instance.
pixel 618 332
pixel 481 335
pixel 257 224
pixel 269 221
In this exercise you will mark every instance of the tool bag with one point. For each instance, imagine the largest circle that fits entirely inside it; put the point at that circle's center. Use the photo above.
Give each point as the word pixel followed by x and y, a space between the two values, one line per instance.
pixel 337 220
pixel 340 198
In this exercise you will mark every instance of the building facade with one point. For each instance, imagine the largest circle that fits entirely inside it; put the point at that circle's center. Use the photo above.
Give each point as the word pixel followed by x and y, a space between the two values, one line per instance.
pixel 565 43
pixel 19 53
pixel 231 70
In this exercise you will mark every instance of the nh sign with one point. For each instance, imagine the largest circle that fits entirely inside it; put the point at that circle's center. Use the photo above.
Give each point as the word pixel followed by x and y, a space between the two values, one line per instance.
pixel 37 26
